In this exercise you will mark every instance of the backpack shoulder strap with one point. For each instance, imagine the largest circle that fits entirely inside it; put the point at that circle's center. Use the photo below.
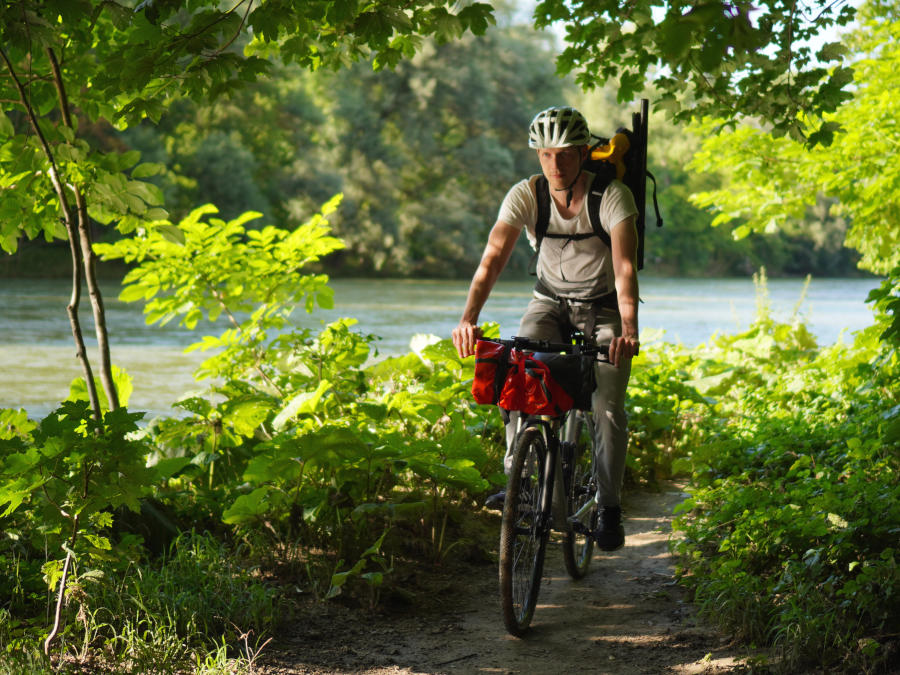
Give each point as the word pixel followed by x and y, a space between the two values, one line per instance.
pixel 595 198
pixel 542 193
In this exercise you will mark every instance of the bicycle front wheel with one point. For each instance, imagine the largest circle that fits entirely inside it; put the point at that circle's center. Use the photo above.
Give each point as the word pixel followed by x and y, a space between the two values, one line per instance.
pixel 578 546
pixel 523 533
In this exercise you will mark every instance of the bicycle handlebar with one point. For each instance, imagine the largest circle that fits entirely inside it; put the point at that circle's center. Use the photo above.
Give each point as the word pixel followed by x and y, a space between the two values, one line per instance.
pixel 578 347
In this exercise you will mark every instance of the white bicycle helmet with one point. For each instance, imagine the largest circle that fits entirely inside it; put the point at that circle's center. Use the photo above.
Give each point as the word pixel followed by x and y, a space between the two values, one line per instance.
pixel 558 127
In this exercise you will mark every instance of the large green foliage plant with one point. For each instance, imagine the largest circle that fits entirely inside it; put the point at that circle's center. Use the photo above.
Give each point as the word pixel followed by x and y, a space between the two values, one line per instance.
pixel 789 537
pixel 299 429
pixel 61 479
pixel 73 68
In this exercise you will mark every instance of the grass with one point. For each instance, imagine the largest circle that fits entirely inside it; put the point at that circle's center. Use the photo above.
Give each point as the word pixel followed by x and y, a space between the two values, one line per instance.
pixel 198 610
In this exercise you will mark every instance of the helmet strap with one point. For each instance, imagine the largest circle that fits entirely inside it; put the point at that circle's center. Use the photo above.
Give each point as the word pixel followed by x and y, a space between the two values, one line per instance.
pixel 570 188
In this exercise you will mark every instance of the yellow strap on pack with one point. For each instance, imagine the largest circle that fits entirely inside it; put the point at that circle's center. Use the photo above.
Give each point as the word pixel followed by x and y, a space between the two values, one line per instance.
pixel 613 152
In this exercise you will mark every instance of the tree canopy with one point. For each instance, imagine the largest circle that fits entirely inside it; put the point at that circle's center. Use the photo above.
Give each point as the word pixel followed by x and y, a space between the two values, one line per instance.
pixel 721 59
pixel 72 64
pixel 774 183
pixel 84 61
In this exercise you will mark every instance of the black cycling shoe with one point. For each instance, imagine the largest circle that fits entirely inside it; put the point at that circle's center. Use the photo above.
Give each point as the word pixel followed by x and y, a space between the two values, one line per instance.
pixel 496 501
pixel 610 535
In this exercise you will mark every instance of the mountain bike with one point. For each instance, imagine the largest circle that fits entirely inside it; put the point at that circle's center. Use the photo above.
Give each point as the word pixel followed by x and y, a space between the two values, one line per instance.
pixel 551 486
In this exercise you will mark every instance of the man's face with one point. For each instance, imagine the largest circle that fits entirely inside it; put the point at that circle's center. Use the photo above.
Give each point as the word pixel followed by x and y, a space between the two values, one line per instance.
pixel 560 165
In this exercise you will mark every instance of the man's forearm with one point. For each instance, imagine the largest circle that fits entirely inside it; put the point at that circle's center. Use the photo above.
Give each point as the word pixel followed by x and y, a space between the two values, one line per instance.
pixel 479 290
pixel 627 294
pixel 496 253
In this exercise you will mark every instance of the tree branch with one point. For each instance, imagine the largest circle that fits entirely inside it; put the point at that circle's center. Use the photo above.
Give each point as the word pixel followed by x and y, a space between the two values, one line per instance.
pixel 237 32
pixel 60 598
pixel 69 222
pixel 219 19
pixel 88 259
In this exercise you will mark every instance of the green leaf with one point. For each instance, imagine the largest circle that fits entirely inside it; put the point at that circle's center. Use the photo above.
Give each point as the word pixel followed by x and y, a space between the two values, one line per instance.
pixel 166 467
pixel 832 51
pixel 123 382
pixel 247 507
pixel 6 126
pixel 146 192
pixel 170 233
pixel 245 415
pixel 147 169
pixel 374 27
pixel 13 498
pixel 341 11
pixel 98 542
pixel 373 578
pixel 302 403
pixel 446 26
pixel 477 16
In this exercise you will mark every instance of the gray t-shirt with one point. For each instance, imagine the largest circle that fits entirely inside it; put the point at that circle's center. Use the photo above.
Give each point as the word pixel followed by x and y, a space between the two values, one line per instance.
pixel 572 268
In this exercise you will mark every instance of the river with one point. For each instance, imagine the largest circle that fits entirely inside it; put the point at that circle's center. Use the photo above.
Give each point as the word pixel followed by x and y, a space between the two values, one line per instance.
pixel 37 359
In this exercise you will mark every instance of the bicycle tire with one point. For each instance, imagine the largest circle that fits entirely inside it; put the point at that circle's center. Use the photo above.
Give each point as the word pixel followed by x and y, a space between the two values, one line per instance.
pixel 523 534
pixel 578 546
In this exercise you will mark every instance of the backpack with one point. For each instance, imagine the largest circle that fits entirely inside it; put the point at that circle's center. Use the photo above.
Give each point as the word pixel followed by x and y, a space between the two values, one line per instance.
pixel 624 156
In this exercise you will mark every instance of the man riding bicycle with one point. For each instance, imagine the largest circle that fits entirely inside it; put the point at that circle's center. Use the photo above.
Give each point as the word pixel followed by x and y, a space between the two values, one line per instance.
pixel 582 285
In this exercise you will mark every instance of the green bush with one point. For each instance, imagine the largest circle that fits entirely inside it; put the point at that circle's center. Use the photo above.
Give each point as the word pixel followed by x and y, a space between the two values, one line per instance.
pixel 664 412
pixel 791 532
pixel 304 440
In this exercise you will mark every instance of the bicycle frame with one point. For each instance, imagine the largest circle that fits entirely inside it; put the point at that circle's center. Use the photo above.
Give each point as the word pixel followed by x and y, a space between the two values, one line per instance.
pixel 558 431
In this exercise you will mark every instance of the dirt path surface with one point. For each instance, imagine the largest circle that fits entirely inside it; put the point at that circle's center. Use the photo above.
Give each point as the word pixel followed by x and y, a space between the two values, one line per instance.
pixel 627 616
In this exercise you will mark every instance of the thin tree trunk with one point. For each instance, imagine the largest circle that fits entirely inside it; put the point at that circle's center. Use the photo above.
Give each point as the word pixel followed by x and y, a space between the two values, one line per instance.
pixel 71 230
pixel 61 596
pixel 88 259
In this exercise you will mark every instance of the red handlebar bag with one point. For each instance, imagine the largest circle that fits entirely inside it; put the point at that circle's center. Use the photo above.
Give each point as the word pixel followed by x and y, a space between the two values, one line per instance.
pixel 515 380
pixel 498 377
pixel 543 394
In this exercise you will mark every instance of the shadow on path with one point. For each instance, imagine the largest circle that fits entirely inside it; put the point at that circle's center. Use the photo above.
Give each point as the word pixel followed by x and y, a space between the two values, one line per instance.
pixel 625 617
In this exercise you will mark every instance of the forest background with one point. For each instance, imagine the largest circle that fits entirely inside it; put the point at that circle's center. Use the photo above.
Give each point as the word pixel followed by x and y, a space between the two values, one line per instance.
pixel 423 154
pixel 134 545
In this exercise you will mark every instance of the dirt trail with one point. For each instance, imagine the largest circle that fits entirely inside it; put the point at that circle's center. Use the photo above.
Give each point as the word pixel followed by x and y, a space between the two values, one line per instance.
pixel 625 617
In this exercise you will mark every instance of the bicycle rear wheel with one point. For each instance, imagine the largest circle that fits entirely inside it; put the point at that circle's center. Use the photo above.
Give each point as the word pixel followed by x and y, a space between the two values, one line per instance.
pixel 523 533
pixel 578 546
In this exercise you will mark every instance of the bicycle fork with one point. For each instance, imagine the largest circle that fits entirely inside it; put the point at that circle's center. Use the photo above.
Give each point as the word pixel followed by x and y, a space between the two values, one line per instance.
pixel 554 495
pixel 580 520
pixel 554 499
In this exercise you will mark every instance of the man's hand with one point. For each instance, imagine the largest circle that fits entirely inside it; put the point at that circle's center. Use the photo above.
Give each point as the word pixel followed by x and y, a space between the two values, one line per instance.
pixel 464 337
pixel 622 348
